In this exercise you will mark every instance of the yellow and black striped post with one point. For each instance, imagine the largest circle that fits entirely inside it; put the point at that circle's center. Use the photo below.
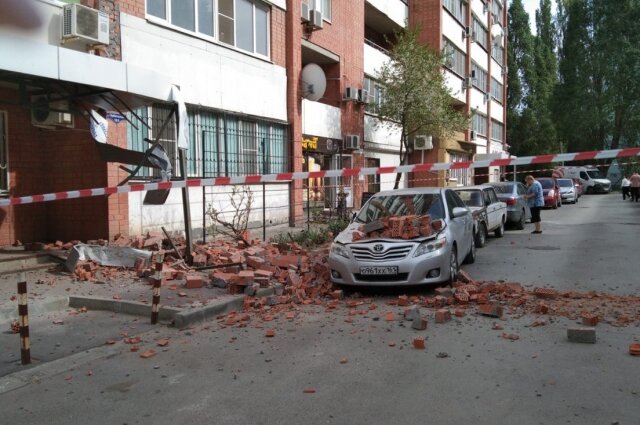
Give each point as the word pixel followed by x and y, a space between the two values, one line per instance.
pixel 23 311
pixel 157 281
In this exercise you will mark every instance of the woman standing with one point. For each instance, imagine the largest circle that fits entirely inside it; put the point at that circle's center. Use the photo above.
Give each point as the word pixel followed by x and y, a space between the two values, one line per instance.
pixel 535 200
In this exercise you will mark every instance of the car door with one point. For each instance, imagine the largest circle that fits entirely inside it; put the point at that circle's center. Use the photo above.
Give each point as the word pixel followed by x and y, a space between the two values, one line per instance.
pixel 521 190
pixel 491 203
pixel 461 227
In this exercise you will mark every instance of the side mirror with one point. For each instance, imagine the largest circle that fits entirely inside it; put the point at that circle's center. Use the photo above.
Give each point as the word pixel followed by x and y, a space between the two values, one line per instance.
pixel 459 212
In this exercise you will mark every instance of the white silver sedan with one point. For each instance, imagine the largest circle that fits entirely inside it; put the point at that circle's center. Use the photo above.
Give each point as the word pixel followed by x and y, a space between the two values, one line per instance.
pixel 361 256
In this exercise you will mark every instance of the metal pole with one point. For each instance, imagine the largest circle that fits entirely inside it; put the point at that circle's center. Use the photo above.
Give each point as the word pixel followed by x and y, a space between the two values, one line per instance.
pixel 264 193
pixel 23 311
pixel 185 207
pixel 308 197
pixel 157 281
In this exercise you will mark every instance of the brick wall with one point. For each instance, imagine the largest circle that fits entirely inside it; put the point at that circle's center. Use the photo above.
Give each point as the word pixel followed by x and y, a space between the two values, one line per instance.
pixel 41 161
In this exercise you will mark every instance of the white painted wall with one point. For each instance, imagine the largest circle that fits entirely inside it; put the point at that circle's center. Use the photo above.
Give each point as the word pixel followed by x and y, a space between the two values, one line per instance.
pixel 454 83
pixel 144 218
pixel 496 111
pixel 479 55
pixel 477 7
pixel 394 9
pixel 477 101
pixel 374 59
pixel 496 70
pixel 319 119
pixel 208 74
pixel 386 136
pixel 453 31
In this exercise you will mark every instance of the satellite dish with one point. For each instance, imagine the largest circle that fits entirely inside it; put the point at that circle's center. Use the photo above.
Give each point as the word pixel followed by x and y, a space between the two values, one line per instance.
pixel 497 34
pixel 313 82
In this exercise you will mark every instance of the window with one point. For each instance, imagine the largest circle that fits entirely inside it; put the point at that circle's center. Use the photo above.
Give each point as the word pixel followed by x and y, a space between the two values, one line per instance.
pixel 480 34
pixel 457 8
pixel 497 130
pixel 497 53
pixel 219 144
pixel 4 171
pixel 240 23
pixel 496 90
pixel 480 79
pixel 373 180
pixel 496 10
pixel 375 95
pixel 460 174
pixel 479 124
pixel 455 59
pixel 323 6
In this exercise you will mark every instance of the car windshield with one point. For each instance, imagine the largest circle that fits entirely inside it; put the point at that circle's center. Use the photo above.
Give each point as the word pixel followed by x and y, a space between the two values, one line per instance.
pixel 504 188
pixel 401 205
pixel 472 198
pixel 546 183
pixel 565 183
pixel 594 174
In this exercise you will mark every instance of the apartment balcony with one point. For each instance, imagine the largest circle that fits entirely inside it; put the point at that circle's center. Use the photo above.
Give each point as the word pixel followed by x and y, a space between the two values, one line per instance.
pixel 386 16
pixel 319 119
pixel 374 57
pixel 379 137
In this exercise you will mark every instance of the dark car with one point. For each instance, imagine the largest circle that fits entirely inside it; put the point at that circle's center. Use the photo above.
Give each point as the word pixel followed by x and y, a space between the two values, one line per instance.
pixel 551 192
pixel 512 194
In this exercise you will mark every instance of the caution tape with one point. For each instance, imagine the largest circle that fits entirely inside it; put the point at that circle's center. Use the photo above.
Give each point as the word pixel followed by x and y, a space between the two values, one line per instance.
pixel 345 172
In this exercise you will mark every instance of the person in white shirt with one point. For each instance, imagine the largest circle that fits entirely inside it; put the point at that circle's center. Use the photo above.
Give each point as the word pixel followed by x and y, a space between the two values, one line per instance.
pixel 626 187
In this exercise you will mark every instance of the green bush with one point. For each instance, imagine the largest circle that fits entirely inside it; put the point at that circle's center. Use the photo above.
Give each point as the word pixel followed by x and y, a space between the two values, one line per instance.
pixel 337 225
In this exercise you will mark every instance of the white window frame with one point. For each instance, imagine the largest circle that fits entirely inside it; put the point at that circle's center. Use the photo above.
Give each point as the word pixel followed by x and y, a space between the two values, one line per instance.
pixel 455 8
pixel 479 124
pixel 478 27
pixel 480 81
pixel 455 53
pixel 323 6
pixel 495 84
pixel 166 22
pixel 495 125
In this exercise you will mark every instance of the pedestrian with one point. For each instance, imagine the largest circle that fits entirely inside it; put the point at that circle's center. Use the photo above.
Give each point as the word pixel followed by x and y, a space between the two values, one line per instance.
pixel 626 188
pixel 535 200
pixel 635 186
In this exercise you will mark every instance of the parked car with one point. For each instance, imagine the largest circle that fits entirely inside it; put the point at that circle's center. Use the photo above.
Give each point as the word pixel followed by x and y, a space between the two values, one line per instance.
pixel 568 191
pixel 551 192
pixel 512 194
pixel 489 213
pixel 378 259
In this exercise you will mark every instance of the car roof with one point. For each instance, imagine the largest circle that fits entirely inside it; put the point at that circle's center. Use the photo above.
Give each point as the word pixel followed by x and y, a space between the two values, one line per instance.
pixel 412 191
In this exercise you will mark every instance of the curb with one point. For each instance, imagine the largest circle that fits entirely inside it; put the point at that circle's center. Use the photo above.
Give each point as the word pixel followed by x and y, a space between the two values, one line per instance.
pixel 134 308
pixel 187 318
pixel 47 306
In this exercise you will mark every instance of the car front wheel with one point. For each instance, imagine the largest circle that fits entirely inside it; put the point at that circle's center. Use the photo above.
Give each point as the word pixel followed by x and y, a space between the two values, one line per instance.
pixel 499 232
pixel 453 265
pixel 471 256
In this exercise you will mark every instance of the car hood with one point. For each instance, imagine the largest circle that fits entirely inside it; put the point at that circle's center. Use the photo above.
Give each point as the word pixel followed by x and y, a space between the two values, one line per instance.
pixel 346 236
pixel 602 181
pixel 566 189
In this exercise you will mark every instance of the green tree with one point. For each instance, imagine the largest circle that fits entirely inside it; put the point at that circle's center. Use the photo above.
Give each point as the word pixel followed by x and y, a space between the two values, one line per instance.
pixel 415 95
pixel 520 76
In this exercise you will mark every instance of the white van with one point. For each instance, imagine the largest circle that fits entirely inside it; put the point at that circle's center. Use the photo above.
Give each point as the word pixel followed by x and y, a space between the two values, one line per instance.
pixel 592 179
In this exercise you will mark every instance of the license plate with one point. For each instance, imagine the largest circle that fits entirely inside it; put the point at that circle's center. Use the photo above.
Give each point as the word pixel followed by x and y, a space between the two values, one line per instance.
pixel 379 270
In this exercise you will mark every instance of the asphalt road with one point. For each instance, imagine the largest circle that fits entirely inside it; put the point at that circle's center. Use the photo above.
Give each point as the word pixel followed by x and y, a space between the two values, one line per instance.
pixel 332 367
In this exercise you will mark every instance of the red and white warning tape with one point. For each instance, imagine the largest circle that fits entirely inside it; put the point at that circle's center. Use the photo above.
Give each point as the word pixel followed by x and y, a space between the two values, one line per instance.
pixel 345 172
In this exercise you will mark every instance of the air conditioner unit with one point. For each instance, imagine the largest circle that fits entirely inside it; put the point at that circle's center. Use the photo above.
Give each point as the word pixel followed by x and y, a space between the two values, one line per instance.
pixel 304 11
pixel 48 114
pixel 422 142
pixel 315 19
pixel 467 32
pixel 351 93
pixel 472 135
pixel 352 141
pixel 85 23
pixel 467 83
pixel 363 96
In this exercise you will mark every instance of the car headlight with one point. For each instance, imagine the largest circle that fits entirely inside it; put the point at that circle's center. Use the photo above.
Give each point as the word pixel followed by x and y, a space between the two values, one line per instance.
pixel 340 250
pixel 429 246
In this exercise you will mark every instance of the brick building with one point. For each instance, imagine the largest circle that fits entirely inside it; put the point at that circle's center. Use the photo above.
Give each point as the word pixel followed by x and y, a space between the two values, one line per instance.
pixel 239 67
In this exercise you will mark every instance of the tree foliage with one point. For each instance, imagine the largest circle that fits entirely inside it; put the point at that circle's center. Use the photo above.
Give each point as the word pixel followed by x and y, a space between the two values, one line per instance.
pixel 415 95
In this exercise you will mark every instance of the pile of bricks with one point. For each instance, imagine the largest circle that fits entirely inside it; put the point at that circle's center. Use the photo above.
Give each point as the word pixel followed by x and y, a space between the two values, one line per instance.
pixel 397 227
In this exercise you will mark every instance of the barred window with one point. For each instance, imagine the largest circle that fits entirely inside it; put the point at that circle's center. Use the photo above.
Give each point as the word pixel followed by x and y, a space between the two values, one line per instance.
pixel 462 175
pixel 480 34
pixel 374 95
pixel 479 124
pixel 457 8
pixel 497 131
pixel 496 90
pixel 219 144
pixel 480 77
pixel 455 59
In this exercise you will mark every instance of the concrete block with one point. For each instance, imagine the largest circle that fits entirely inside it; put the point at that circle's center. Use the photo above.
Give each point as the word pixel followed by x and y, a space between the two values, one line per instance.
pixel 583 334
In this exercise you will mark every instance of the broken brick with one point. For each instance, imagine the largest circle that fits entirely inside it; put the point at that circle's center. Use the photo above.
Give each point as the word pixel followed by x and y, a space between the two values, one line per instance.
pixel 403 300
pixel 148 354
pixel 194 281
pixel 390 317
pixel 459 312
pixel 270 333
pixel 590 319
pixel 411 313
pixel 419 323
pixel 418 343
pixel 545 293
pixel 491 310
pixel 443 315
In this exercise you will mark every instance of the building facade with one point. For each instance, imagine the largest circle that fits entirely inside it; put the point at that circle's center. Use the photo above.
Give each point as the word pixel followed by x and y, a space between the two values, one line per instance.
pixel 242 68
